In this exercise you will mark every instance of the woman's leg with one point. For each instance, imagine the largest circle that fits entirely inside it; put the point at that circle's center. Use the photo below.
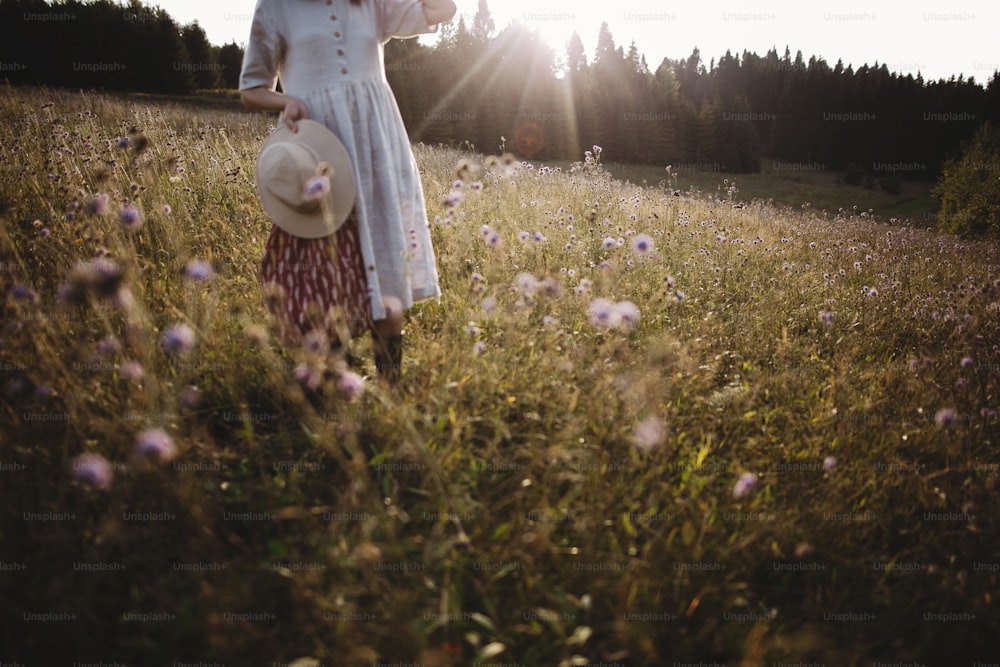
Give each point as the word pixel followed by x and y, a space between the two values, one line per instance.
pixel 388 340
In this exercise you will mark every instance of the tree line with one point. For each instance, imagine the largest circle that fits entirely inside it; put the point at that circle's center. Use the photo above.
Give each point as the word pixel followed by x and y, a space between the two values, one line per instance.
pixel 507 90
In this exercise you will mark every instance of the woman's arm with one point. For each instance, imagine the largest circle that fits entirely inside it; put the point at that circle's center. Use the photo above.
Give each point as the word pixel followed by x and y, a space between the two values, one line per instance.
pixel 264 99
pixel 438 11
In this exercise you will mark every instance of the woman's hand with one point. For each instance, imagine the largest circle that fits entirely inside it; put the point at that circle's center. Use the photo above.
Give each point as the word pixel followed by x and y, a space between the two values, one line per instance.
pixel 264 99
pixel 294 111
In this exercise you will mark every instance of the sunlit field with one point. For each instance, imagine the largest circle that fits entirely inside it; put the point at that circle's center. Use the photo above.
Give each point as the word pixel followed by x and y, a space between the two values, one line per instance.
pixel 637 428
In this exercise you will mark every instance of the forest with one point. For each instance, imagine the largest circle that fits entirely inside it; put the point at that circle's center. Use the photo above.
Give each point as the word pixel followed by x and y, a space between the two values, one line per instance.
pixel 496 89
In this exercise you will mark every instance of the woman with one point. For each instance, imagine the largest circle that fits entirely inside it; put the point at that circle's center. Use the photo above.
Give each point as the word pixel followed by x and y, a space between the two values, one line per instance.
pixel 328 56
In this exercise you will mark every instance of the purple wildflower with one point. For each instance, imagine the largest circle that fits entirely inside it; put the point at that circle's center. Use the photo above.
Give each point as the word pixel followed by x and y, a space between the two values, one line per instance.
pixel 108 345
pixel 945 417
pixel 604 314
pixel 317 186
pixel 352 384
pixel 629 313
pixel 308 376
pixel 156 444
pixel 124 142
pixel 829 463
pixel 826 317
pixel 966 362
pixel 93 470
pixel 649 434
pixel 198 269
pixel 744 484
pixel 132 371
pixel 97 205
pixel 177 338
pixel 22 292
pixel 130 217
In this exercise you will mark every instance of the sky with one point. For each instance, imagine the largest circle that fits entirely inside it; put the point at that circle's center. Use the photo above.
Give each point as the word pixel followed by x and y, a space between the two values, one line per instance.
pixel 934 38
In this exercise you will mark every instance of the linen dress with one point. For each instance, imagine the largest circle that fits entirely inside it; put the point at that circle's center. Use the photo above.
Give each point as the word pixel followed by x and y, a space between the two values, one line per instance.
pixel 329 54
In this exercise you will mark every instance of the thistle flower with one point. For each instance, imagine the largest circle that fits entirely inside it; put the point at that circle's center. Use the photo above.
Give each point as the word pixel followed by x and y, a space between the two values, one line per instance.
pixel 317 186
pixel 744 484
pixel 132 371
pixel 539 237
pixel 198 270
pixel 523 237
pixel 100 276
pixel 316 341
pixel 22 292
pixel 826 317
pixel 177 338
pixel 603 314
pixel 156 444
pixel 308 376
pixel 966 362
pixel 628 313
pixel 945 417
pixel 93 470
pixel 649 434
pixel 108 345
pixel 829 463
pixel 352 384
pixel 130 217
pixel 609 242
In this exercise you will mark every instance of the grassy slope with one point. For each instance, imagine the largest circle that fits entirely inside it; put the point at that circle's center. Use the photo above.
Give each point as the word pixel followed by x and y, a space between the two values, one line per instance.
pixel 498 498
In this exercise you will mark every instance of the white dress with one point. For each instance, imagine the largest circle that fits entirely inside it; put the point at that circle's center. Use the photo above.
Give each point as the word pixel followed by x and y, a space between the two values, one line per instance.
pixel 329 54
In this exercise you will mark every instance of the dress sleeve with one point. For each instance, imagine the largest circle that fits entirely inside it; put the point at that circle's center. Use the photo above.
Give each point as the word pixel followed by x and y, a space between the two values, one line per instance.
pixel 263 53
pixel 402 18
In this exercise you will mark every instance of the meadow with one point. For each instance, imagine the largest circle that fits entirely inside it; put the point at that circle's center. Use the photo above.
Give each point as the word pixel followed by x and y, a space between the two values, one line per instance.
pixel 636 429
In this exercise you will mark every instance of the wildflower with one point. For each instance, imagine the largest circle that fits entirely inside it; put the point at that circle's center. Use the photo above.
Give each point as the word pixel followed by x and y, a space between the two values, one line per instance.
pixel 124 142
pixel 826 317
pixel 649 434
pixel 177 338
pixel 100 276
pixel 130 217
pixel 744 484
pixel 97 205
pixel 642 244
pixel 453 199
pixel 477 185
pixel 166 209
pixel 680 296
pixel 132 371
pixel 526 283
pixel 629 314
pixel 987 413
pixel 156 444
pixel 198 269
pixel 317 186
pixel 945 417
pixel 472 329
pixel 966 362
pixel 549 321
pixel 44 231
pixel 489 305
pixel 21 292
pixel 604 314
pixel 93 470
pixel 316 341
pixel 307 375
pixel 108 345
pixel 523 237
pixel 539 237
pixel 609 242
pixel 829 463
pixel 478 348
pixel 485 231
pixel 352 384
pixel 494 239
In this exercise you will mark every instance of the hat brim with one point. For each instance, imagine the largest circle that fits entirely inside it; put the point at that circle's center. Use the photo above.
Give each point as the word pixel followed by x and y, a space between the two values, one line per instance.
pixel 343 189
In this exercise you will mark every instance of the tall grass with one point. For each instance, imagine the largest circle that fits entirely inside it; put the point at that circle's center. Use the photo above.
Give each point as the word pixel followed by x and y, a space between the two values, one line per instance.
pixel 788 456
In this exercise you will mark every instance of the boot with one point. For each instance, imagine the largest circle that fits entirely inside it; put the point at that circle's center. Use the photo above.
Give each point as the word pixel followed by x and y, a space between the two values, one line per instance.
pixel 389 357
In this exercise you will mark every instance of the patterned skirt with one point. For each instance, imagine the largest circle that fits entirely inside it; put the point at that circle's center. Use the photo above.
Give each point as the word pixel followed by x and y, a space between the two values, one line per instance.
pixel 310 283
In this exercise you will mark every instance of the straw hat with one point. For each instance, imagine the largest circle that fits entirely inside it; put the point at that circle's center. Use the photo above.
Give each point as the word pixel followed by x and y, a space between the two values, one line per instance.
pixel 292 173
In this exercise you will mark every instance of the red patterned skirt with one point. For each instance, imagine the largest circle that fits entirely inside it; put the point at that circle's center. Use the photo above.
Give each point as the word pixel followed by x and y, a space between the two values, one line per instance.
pixel 309 283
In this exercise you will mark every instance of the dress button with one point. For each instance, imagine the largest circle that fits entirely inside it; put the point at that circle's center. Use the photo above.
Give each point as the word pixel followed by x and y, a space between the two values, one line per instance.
pixel 340 52
pixel 336 34
pixel 333 17
pixel 343 70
